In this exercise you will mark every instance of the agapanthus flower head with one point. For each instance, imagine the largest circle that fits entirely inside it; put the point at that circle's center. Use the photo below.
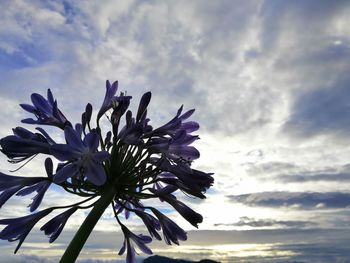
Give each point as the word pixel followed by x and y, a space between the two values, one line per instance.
pixel 122 167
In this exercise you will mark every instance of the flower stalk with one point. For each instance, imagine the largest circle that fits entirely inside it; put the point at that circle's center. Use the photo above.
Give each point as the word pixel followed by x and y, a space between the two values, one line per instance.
pixel 75 246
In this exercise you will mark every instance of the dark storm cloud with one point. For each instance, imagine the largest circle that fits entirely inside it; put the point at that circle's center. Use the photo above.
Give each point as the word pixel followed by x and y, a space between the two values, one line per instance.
pixel 252 222
pixel 300 200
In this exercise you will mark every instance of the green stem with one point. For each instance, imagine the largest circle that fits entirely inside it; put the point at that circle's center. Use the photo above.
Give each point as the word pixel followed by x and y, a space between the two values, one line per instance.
pixel 77 243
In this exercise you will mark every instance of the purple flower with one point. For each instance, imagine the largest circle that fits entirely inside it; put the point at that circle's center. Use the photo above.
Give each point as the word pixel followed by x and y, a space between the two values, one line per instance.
pixel 86 116
pixel 198 180
pixel 9 185
pixel 19 228
pixel 127 204
pixel 40 187
pixel 191 181
pixel 142 110
pixel 54 227
pixel 82 156
pixel 176 124
pixel 25 144
pixel 125 207
pixel 139 240
pixel 191 216
pixel 150 222
pixel 172 140
pixel 45 110
pixel 171 231
pixel 132 133
pixel 108 100
pixel 121 167
pixel 177 147
pixel 121 105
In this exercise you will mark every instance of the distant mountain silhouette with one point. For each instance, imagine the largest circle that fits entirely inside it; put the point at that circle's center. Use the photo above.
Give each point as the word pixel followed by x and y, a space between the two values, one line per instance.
pixel 160 259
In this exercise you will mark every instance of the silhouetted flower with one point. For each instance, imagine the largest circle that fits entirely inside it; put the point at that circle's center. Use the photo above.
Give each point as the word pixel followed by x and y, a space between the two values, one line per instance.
pixel 11 185
pixel 171 231
pixel 45 110
pixel 19 228
pixel 139 240
pixel 150 222
pixel 54 227
pixel 40 187
pixel 25 144
pixel 186 212
pixel 108 100
pixel 120 167
pixel 82 156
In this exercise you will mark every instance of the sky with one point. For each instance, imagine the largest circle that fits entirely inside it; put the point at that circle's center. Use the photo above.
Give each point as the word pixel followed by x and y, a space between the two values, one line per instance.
pixel 270 84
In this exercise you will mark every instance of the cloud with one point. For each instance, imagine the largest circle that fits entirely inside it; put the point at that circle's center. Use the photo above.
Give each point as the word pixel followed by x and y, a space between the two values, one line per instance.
pixel 104 261
pixel 322 111
pixel 258 223
pixel 200 238
pixel 314 177
pixel 298 200
pixel 323 252
pixel 312 66
pixel 289 172
pixel 258 75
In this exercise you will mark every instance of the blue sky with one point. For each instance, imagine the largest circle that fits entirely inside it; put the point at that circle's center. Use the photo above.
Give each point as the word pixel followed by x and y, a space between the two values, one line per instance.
pixel 270 84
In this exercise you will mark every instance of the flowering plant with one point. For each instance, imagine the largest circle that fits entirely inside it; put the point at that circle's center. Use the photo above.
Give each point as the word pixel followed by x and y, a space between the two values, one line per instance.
pixel 120 168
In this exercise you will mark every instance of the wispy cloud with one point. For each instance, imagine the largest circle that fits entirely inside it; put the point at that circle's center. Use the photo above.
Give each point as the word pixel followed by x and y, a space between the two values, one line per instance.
pixel 258 223
pixel 297 200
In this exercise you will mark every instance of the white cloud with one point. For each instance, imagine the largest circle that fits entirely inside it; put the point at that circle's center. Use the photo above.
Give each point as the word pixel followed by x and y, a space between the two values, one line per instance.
pixel 263 77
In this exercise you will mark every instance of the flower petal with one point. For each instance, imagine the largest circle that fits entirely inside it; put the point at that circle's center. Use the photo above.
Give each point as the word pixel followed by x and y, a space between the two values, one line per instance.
pixel 29 121
pixel 64 152
pixel 7 194
pixel 146 98
pixel 91 140
pixel 190 126
pixel 122 249
pixel 66 172
pixel 185 152
pixel 40 103
pixel 95 173
pixel 49 167
pixel 73 138
pixel 100 156
pixel 28 107
pixel 38 198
